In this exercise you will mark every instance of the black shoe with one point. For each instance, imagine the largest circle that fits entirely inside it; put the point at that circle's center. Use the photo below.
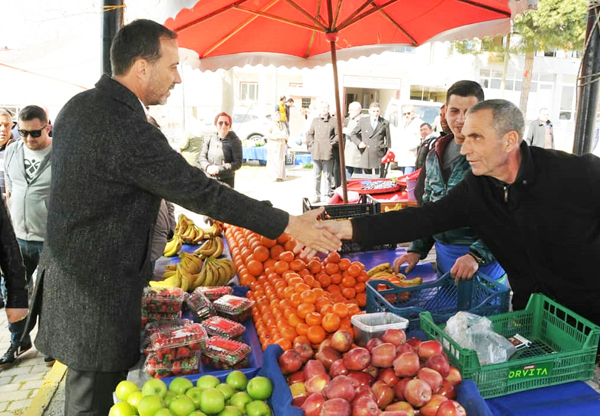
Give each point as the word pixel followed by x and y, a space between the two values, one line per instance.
pixel 10 357
pixel 1 303
pixel 24 348
pixel 49 361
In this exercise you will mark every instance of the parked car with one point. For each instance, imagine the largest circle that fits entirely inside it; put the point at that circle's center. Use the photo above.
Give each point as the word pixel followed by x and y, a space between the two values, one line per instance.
pixel 426 111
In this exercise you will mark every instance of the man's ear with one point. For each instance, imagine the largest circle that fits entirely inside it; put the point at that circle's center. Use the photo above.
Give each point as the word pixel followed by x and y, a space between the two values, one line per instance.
pixel 512 141
pixel 140 68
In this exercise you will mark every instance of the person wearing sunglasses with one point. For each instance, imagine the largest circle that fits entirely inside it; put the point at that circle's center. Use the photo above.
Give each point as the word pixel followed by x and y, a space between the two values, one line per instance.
pixel 28 175
pixel 221 153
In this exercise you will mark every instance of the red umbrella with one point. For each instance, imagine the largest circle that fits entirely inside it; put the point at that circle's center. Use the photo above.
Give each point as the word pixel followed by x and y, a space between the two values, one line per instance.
pixel 227 33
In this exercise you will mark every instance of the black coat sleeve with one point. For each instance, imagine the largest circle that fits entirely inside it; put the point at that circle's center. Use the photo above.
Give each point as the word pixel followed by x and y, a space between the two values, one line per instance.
pixel 11 263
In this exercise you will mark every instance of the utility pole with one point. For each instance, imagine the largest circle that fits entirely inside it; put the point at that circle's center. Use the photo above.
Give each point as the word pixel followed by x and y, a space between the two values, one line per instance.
pixel 112 20
pixel 587 101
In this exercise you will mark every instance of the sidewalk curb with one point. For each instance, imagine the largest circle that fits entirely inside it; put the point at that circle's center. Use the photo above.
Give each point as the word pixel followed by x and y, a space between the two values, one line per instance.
pixel 44 396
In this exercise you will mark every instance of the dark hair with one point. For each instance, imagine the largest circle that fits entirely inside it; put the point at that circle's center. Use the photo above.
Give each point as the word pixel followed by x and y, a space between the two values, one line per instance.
pixel 31 112
pixel 139 39
pixel 466 89
pixel 282 98
pixel 374 104
pixel 507 116
pixel 425 124
pixel 290 100
pixel 223 114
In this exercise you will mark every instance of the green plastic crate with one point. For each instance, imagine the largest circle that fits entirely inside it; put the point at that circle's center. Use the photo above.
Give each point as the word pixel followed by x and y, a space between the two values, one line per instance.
pixel 564 347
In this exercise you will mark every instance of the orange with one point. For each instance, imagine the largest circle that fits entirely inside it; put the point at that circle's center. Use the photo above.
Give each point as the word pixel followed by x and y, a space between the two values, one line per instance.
pixel 295 300
pixel 297 265
pixel 267 242
pixel 349 293
pixel 360 287
pixel 287 312
pixel 304 309
pixel 319 292
pixel 287 256
pixel 348 281
pixel 359 264
pixel 333 257
pixel 301 338
pixel 315 334
pixel 331 268
pixel 255 267
pixel 333 288
pixel 270 264
pixel 354 270
pixel 289 333
pixel 343 264
pixel 280 267
pixel 288 292
pixel 283 238
pixel 331 322
pixel 313 319
pixel 294 280
pixel 304 273
pixel 336 278
pixel 340 310
pixel 284 343
pixel 301 287
pixel 308 296
pixel 301 329
pixel 325 309
pixel 324 279
pixel 294 320
pixel 362 299
pixel 309 280
pixel 276 250
pixel 314 266
pixel 289 245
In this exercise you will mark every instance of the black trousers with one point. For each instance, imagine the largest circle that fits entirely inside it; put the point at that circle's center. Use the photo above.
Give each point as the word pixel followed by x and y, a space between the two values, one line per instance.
pixel 89 393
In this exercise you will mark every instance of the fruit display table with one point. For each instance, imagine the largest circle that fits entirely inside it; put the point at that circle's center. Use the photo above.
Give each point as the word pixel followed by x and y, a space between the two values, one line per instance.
pixel 373 258
pixel 255 153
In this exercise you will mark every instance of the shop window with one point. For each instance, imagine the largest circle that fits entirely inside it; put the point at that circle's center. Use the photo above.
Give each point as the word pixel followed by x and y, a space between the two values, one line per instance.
pixel 249 91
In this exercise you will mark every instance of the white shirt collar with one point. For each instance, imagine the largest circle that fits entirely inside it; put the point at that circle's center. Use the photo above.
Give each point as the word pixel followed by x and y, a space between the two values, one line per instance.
pixel 144 107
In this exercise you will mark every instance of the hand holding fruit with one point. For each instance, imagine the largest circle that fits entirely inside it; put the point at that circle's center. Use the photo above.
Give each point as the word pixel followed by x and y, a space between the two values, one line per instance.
pixel 411 258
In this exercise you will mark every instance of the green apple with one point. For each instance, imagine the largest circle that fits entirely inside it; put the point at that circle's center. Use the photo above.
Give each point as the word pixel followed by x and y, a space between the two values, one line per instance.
pixel 121 409
pixel 182 405
pixel 149 405
pixel 154 387
pixel 124 389
pixel 237 380
pixel 240 400
pixel 195 393
pixel 164 412
pixel 260 388
pixel 207 382
pixel 231 411
pixel 212 401
pixel 180 385
pixel 169 397
pixel 258 408
pixel 226 389
pixel 197 413
pixel 134 399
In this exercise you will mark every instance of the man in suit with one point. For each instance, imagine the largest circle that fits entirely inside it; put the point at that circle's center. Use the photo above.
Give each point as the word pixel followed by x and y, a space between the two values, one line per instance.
pixel 372 137
pixel 107 183
pixel 352 154
pixel 540 132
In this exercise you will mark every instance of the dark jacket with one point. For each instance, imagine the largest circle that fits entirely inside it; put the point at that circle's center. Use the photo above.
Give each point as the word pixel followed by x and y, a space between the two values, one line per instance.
pixel 163 229
pixel 225 153
pixel 322 136
pixel 437 188
pixel 536 134
pixel 107 184
pixel 377 141
pixel 11 263
pixel 544 229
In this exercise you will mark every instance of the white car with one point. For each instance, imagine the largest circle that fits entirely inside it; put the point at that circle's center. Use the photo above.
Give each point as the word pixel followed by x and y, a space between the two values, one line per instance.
pixel 250 127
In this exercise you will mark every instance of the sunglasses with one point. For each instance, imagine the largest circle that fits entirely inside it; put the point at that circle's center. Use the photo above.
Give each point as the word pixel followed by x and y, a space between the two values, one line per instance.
pixel 224 123
pixel 34 133
pixel 406 114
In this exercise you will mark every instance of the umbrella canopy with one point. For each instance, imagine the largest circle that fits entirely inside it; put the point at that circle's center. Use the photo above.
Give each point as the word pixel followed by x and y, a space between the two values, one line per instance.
pixel 226 33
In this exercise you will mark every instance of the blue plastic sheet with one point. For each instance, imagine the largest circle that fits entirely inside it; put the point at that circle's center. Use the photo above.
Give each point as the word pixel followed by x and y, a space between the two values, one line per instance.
pixel 254 153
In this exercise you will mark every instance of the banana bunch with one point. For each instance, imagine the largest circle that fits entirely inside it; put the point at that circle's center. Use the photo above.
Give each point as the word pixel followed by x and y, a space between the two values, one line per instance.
pixel 189 232
pixel 173 246
pixel 381 268
pixel 216 272
pixel 396 207
pixel 213 247
pixel 216 229
pixel 190 262
pixel 172 278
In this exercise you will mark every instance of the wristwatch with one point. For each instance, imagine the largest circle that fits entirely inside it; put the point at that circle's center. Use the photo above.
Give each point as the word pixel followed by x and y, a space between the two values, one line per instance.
pixel 477 257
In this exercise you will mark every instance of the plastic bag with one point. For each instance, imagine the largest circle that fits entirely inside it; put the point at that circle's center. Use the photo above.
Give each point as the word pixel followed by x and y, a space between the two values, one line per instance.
pixel 477 333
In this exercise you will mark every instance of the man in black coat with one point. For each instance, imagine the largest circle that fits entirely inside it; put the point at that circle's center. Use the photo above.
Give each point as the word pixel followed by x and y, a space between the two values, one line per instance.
pixel 373 138
pixel 111 168
pixel 537 210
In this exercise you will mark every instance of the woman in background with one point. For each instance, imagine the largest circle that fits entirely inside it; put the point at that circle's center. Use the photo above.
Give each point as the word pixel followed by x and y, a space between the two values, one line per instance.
pixel 221 153
pixel 277 136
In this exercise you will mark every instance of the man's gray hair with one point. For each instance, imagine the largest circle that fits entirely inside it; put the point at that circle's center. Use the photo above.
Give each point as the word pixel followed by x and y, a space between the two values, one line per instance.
pixel 5 112
pixel 506 116
pixel 355 104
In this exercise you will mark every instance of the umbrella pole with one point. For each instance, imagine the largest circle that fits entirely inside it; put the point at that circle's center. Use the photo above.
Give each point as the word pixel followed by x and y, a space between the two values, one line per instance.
pixel 339 115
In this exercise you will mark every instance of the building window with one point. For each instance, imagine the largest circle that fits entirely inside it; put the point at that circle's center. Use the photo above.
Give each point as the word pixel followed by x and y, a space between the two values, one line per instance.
pixel 306 102
pixel 567 102
pixel 249 91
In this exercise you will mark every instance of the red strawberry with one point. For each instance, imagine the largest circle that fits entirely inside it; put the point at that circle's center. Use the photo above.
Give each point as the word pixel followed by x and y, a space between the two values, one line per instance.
pixel 182 352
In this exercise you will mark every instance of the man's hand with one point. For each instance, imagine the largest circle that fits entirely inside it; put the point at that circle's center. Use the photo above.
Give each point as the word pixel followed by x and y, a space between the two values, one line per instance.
pixel 309 233
pixel 362 145
pixel 212 170
pixel 411 258
pixel 464 268
pixel 16 314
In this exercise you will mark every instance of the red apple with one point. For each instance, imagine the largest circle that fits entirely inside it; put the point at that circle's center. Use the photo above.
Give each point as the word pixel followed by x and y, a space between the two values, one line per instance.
pixel 313 368
pixel 305 350
pixel 388 376
pixel 402 348
pixel 394 336
pixel 298 401
pixel 431 377
pixel 361 378
pixel 323 344
pixel 336 407
pixel 407 364
pixel 297 377
pixel 448 390
pixel 374 371
pixel 327 356
pixel 341 341
pixel 364 391
pixel 394 413
pixel 451 408
pixel 340 387
pixel 384 394
pixel 399 389
pixel 338 368
pixel 317 383
pixel 454 376
pixel 372 343
pixel 290 361
pixel 357 358
pixel 431 407
pixel 364 406
pixel 414 342
pixel 417 392
pixel 429 348
pixel 401 407
pixel 439 363
pixel 383 355
pixel 313 404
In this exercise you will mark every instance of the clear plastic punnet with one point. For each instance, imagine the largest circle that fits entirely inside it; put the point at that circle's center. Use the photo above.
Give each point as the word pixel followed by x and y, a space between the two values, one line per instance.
pixel 226 354
pixel 223 327
pixel 214 293
pixel 234 307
